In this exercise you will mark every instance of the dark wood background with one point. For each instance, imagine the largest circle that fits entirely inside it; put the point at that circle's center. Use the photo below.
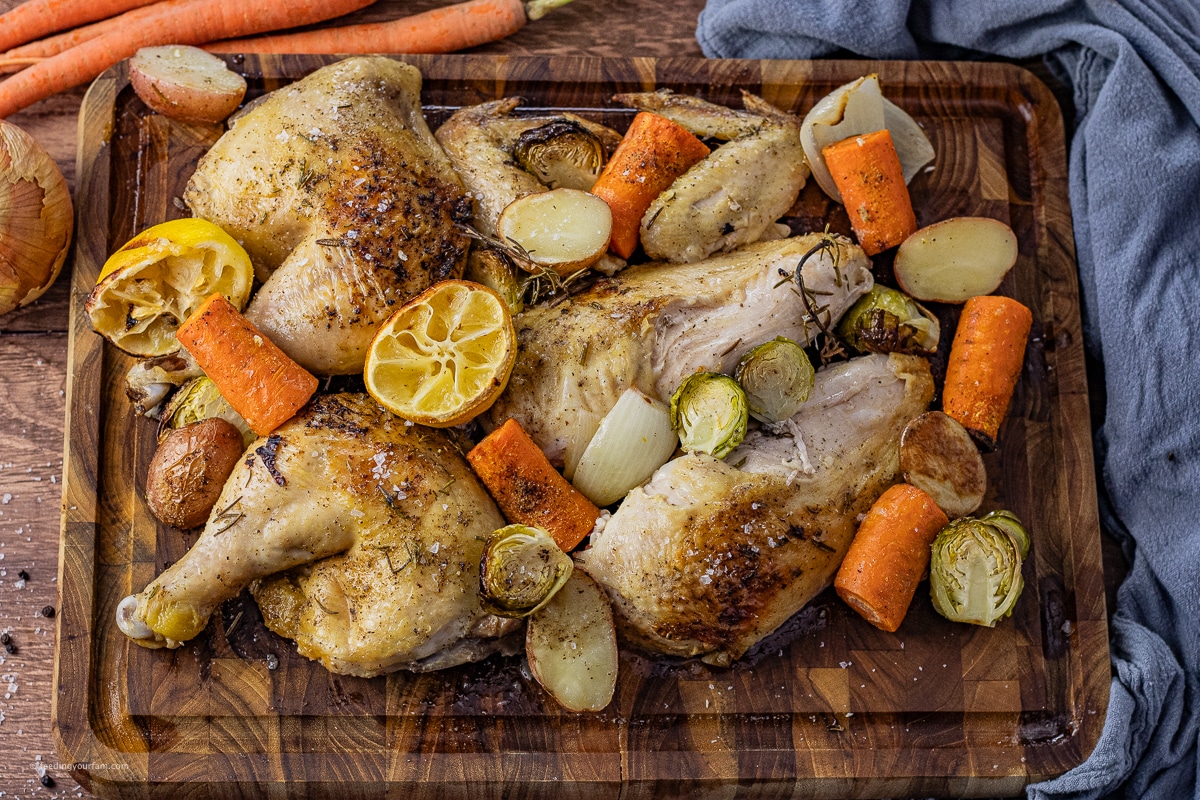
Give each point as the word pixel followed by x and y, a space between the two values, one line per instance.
pixel 33 344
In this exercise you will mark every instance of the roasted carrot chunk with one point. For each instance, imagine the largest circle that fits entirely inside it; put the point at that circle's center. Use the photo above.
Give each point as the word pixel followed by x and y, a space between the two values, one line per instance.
pixel 985 363
pixel 889 554
pixel 527 487
pixel 258 379
pixel 654 152
pixel 867 173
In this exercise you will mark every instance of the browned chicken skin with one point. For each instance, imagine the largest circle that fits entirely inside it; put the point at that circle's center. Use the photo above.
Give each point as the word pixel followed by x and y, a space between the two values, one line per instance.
pixel 708 558
pixel 345 202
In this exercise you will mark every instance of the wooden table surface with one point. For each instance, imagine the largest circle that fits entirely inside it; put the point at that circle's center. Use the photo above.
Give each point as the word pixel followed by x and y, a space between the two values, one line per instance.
pixel 33 357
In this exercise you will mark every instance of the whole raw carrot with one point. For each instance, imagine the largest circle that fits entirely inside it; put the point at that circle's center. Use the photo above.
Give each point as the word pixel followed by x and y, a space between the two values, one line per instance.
pixel 193 22
pixel 257 378
pixel 889 555
pixel 36 18
pixel 53 45
pixel 654 152
pixel 868 174
pixel 985 362
pixel 528 489
pixel 440 30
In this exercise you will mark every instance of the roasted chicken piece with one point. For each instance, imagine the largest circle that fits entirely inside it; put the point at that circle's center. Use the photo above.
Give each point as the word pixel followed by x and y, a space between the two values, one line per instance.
pixel 345 202
pixel 734 194
pixel 480 141
pixel 394 520
pixel 710 556
pixel 654 324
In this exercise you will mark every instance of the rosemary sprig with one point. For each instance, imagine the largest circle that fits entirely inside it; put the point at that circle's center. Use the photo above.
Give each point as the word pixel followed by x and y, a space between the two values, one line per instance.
pixel 806 296
pixel 228 515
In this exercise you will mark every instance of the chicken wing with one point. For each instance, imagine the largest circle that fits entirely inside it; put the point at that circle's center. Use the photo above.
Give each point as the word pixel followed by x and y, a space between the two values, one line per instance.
pixel 394 520
pixel 730 197
pixel 345 202
pixel 479 141
pixel 710 556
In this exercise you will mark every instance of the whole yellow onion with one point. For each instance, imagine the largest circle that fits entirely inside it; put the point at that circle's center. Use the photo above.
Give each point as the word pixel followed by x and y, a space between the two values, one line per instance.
pixel 35 218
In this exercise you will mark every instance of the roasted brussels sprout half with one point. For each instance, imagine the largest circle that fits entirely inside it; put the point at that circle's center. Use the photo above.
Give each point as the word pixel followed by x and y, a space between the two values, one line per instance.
pixel 493 270
pixel 710 412
pixel 777 377
pixel 562 154
pixel 975 572
pixel 197 400
pixel 887 321
pixel 520 570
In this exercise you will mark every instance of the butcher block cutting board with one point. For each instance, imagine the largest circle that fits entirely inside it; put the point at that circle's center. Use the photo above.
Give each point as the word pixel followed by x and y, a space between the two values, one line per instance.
pixel 827 707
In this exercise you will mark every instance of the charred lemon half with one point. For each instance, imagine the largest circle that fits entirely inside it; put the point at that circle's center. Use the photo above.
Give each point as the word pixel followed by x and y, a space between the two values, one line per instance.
pixel 444 356
pixel 151 285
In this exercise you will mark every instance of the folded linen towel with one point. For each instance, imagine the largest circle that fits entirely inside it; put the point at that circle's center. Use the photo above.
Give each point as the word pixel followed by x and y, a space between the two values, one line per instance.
pixel 1134 68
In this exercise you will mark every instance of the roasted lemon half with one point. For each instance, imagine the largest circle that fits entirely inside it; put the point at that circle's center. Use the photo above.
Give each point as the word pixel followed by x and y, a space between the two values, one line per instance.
pixel 151 285
pixel 445 356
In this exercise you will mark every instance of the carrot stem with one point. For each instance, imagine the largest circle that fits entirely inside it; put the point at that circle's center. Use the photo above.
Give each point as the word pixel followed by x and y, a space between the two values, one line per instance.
pixel 654 152
pixel 869 177
pixel 439 30
pixel 985 363
pixel 889 554
pixel 192 22
pixel 528 489
pixel 536 9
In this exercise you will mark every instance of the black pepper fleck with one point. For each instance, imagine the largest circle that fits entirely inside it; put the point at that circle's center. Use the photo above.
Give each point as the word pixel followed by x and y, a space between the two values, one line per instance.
pixel 23 575
pixel 47 781
pixel 10 648
pixel 48 612
pixel 5 638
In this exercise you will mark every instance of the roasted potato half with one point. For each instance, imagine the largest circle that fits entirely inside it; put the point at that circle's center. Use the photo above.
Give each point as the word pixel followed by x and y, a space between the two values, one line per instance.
pixel 939 457
pixel 564 229
pixel 189 469
pixel 571 645
pixel 186 83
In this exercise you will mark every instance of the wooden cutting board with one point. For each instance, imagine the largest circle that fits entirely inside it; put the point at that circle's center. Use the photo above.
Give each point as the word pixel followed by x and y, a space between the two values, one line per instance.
pixel 828 707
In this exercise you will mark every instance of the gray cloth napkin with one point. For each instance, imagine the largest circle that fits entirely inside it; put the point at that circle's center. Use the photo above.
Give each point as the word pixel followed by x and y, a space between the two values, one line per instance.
pixel 1134 68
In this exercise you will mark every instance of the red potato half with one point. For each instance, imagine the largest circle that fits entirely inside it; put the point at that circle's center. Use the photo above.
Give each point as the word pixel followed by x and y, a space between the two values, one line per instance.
pixel 186 83
pixel 956 259
pixel 939 457
pixel 571 645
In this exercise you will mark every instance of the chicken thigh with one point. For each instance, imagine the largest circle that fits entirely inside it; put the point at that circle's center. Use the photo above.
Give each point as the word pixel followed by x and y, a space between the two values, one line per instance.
pixel 345 202
pixel 710 556
pixel 394 520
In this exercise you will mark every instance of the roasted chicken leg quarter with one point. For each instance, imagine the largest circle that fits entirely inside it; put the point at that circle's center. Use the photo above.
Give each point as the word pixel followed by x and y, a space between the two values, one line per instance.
pixel 345 202
pixel 710 556
pixel 384 523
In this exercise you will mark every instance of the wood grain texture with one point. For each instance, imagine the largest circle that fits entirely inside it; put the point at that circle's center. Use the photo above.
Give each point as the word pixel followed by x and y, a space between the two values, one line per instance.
pixel 829 707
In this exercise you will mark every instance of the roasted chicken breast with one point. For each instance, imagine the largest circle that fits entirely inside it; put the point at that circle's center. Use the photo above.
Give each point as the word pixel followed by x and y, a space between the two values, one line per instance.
pixel 345 202
pixel 654 324
pixel 710 556
pixel 394 520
